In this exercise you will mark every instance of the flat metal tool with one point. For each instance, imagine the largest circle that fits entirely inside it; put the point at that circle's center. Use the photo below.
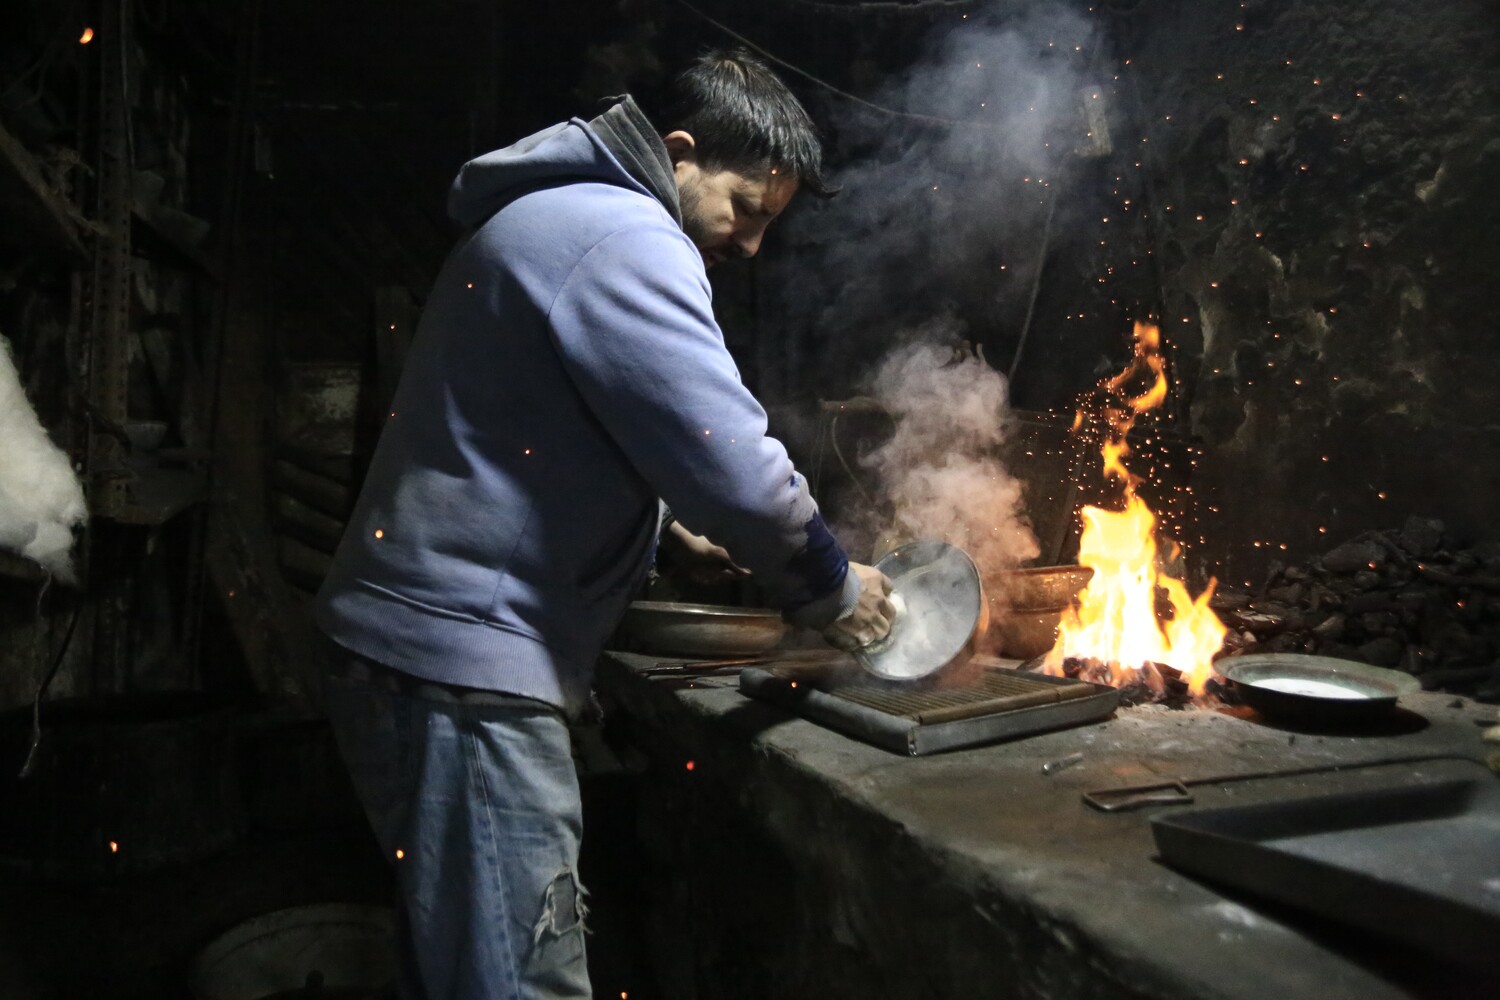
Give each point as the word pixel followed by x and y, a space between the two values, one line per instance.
pixel 1175 791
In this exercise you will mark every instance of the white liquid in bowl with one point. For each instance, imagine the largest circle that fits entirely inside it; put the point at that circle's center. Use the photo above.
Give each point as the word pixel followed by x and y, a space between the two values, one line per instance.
pixel 1311 688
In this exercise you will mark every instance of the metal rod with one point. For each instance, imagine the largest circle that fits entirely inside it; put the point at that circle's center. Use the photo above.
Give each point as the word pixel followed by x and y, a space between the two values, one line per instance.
pixel 1053 766
pixel 1036 282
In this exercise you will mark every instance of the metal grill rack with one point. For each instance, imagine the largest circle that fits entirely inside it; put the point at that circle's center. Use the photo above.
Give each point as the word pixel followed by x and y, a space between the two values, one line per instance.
pixel 996 703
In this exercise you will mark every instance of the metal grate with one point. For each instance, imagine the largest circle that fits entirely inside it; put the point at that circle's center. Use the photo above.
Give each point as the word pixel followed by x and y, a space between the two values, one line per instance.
pixel 994 702
pixel 993 690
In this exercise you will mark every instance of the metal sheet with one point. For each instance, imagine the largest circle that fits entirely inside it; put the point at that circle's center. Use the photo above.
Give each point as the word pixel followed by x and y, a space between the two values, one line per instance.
pixel 109 292
pixel 1014 724
pixel 1417 858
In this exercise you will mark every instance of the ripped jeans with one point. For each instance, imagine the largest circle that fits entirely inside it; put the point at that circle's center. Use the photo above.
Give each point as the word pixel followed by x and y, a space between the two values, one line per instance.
pixel 477 806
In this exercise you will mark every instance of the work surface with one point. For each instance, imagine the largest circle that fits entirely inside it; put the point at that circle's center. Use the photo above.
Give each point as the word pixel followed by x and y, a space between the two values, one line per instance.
pixel 994 873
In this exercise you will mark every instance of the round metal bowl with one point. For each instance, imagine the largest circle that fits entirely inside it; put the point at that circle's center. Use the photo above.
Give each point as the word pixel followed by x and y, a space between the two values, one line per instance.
pixel 329 950
pixel 1027 606
pixel 1317 689
pixel 1022 633
pixel 943 612
pixel 1038 588
pixel 701 629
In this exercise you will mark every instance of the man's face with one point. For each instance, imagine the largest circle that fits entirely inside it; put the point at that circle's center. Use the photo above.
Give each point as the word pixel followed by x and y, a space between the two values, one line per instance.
pixel 725 213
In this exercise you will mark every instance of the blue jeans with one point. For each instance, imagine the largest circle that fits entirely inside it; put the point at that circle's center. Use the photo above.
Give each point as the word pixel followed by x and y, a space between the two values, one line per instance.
pixel 477 807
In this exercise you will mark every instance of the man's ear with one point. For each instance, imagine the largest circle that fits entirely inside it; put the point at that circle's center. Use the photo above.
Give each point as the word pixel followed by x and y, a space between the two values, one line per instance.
pixel 681 147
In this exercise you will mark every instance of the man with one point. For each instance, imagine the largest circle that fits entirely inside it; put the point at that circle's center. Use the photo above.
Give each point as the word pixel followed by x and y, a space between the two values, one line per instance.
pixel 566 374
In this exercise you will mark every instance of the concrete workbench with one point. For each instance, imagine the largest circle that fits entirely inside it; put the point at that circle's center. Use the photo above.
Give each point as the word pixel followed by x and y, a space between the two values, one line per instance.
pixel 803 863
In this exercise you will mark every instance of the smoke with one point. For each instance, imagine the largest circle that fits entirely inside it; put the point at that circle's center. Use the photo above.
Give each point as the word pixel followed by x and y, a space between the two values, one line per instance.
pixel 939 475
pixel 941 215
pixel 41 499
pixel 935 240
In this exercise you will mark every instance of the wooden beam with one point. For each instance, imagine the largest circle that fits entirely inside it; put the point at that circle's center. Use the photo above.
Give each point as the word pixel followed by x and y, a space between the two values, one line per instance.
pixel 33 218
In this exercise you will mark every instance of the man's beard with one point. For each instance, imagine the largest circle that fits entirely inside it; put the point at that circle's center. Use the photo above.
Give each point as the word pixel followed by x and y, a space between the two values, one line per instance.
pixel 692 218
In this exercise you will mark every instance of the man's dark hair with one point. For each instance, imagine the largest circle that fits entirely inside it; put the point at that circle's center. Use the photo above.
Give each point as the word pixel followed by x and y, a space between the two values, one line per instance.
pixel 743 118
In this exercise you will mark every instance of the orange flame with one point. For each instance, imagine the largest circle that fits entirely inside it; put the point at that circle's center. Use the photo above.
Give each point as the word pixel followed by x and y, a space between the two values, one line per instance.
pixel 1115 624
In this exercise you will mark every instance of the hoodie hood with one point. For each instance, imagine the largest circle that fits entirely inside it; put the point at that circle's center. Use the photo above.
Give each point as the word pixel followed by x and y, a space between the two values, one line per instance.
pixel 619 147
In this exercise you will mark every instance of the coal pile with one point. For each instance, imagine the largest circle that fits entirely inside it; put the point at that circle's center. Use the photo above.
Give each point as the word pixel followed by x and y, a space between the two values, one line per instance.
pixel 1409 599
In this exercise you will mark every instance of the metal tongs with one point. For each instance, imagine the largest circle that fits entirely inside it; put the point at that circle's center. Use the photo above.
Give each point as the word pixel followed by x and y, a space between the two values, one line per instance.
pixel 703 668
pixel 812 659
pixel 1128 797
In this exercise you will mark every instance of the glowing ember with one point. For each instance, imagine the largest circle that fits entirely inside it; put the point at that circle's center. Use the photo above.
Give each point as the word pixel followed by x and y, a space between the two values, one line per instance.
pixel 1114 634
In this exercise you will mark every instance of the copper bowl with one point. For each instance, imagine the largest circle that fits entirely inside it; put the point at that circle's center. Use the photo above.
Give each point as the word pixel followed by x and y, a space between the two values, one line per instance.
pixel 1028 605
pixel 700 629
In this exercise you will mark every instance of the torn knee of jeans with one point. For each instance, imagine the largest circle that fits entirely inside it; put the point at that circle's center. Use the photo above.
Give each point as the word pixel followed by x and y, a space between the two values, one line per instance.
pixel 563 907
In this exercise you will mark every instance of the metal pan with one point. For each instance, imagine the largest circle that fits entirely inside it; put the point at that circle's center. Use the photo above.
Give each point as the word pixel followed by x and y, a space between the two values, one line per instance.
pixel 943 612
pixel 700 629
pixel 1318 689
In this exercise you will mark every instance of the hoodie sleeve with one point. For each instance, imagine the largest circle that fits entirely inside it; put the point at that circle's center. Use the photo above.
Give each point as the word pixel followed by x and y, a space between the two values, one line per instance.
pixel 634 325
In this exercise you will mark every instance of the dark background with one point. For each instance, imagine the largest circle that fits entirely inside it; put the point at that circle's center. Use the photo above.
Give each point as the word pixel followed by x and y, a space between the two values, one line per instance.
pixel 222 218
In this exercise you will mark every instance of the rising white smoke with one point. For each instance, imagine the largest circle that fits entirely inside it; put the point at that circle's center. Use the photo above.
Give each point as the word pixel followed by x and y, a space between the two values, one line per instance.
pixel 41 499
pixel 943 205
pixel 933 240
pixel 940 473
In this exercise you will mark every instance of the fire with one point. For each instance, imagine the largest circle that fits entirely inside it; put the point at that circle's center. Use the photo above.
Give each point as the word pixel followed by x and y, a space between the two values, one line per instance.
pixel 1115 628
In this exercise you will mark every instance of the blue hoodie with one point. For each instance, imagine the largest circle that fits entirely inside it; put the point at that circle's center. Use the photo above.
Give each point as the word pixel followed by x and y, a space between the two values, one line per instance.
pixel 567 372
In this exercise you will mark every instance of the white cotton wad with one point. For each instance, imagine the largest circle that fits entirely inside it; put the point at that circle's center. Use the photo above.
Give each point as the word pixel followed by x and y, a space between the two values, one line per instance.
pixel 41 499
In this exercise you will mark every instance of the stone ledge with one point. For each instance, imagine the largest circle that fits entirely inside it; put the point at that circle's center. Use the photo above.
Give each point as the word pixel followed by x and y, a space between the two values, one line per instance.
pixel 973 873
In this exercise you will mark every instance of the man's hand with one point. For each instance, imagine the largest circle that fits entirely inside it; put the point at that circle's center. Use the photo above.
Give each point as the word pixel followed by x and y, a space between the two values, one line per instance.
pixel 700 559
pixel 871 618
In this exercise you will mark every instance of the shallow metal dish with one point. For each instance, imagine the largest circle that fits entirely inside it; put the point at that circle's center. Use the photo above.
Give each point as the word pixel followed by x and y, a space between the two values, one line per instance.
pixel 943 612
pixel 701 629
pixel 347 945
pixel 1315 688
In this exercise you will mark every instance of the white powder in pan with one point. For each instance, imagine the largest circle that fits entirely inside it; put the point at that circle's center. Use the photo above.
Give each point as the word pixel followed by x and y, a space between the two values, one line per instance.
pixel 1312 688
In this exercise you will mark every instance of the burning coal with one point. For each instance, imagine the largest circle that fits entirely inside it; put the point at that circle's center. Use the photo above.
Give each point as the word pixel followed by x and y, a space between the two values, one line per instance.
pixel 1114 634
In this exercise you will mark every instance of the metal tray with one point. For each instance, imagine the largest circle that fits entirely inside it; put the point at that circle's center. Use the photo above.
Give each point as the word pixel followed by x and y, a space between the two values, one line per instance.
pixel 907 733
pixel 1416 858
